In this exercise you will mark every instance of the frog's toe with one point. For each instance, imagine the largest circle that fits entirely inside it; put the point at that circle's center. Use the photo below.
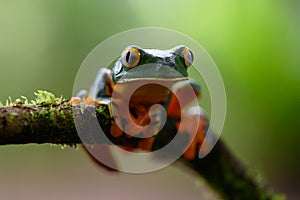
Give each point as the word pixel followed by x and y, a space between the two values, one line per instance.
pixel 115 130
pixel 89 100
pixel 74 100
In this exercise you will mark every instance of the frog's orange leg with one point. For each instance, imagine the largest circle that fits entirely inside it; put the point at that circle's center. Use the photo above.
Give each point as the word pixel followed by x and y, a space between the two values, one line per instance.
pixel 194 125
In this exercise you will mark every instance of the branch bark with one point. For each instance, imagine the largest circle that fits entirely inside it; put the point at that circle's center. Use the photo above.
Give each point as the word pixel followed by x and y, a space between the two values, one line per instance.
pixel 54 123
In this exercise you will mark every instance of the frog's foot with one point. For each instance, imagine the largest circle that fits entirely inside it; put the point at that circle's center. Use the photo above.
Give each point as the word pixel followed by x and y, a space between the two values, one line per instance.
pixel 140 127
pixel 75 100
pixel 137 121
pixel 142 123
pixel 195 125
pixel 83 97
pixel 87 101
pixel 80 96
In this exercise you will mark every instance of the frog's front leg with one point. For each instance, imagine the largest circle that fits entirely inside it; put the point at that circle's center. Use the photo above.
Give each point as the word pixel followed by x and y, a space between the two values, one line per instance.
pixel 103 86
pixel 102 91
pixel 83 96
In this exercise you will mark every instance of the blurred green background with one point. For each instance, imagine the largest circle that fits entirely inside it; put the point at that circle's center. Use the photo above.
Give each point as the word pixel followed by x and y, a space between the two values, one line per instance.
pixel 254 43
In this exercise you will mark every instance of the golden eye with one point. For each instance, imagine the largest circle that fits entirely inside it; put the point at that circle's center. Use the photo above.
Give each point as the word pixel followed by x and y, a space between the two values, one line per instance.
pixel 130 57
pixel 188 57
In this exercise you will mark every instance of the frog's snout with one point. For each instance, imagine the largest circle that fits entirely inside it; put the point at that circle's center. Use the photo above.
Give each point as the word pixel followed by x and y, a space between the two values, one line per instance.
pixel 168 64
pixel 154 70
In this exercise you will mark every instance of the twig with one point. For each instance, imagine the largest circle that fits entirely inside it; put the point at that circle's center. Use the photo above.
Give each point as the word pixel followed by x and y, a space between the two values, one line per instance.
pixel 54 123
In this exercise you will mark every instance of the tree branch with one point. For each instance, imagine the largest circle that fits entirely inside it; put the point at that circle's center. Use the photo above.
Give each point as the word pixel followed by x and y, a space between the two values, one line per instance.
pixel 30 124
pixel 54 123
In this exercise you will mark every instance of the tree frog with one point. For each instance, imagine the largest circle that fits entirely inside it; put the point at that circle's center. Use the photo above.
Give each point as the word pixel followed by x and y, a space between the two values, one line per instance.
pixel 156 71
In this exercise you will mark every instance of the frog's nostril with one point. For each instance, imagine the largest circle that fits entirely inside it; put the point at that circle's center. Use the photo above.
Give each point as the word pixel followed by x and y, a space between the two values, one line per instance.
pixel 169 64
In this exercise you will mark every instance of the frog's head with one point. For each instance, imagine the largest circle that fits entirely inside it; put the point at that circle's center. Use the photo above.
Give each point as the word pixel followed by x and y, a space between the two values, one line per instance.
pixel 153 71
pixel 136 63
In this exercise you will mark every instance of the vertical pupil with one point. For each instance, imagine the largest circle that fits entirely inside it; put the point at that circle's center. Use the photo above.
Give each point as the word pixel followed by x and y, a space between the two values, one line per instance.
pixel 127 56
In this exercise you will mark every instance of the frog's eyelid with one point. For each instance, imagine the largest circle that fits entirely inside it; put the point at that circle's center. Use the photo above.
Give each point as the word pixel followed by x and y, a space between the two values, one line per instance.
pixel 178 49
pixel 133 47
pixel 117 67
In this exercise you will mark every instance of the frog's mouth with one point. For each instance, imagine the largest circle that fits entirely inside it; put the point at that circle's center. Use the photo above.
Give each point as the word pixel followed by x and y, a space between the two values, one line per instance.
pixel 161 81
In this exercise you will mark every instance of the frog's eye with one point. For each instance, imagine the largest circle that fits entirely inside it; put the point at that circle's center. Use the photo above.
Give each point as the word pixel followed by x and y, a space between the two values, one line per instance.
pixel 188 57
pixel 131 57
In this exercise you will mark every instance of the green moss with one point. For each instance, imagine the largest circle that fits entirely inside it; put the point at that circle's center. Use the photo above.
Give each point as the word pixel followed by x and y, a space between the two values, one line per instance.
pixel 9 102
pixel 61 114
pixel 47 114
pixel 49 103
pixel 105 113
pixel 44 98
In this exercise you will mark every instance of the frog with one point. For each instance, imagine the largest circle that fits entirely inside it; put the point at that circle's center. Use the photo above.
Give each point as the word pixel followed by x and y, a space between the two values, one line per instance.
pixel 153 69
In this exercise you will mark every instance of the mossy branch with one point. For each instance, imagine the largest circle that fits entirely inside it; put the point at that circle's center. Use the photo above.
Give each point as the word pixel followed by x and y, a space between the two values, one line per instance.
pixel 51 120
